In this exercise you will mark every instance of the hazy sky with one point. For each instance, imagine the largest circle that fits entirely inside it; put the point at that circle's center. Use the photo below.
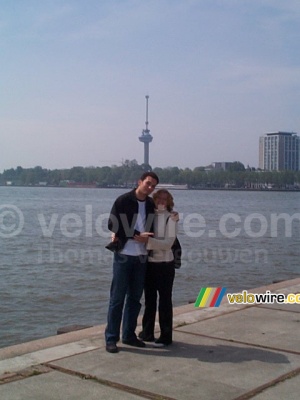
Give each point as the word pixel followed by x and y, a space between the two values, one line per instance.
pixel 74 75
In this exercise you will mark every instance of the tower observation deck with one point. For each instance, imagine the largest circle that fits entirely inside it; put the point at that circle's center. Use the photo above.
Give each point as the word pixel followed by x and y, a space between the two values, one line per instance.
pixel 145 137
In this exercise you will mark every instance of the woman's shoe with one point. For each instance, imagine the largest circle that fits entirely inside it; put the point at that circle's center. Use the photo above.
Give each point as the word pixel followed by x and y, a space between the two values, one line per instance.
pixel 145 338
pixel 161 343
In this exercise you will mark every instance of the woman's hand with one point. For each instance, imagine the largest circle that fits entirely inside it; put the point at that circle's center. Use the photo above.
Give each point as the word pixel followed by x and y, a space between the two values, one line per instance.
pixel 174 216
pixel 142 237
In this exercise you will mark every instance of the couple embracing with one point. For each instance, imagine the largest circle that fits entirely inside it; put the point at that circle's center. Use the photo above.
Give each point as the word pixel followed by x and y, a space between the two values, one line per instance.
pixel 144 230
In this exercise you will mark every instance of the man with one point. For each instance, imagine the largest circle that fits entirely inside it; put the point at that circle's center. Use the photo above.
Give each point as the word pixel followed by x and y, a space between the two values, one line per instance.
pixel 132 212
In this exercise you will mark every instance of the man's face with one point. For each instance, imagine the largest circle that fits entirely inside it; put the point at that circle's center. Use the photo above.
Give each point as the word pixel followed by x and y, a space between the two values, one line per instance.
pixel 147 186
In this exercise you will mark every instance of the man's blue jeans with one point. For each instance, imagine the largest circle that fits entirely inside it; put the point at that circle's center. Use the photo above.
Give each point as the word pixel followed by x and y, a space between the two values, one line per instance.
pixel 127 283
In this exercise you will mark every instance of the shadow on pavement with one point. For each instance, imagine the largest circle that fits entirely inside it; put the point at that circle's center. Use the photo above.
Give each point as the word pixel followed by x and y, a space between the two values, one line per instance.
pixel 213 354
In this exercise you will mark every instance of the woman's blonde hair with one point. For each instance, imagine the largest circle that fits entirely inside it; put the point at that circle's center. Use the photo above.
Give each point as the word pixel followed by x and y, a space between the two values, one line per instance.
pixel 170 201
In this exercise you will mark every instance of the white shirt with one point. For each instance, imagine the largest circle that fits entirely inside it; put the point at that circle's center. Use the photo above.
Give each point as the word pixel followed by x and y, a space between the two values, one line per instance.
pixel 132 247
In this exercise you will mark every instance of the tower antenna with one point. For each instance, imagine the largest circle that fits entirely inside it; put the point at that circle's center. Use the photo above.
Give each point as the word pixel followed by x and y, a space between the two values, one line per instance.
pixel 147 98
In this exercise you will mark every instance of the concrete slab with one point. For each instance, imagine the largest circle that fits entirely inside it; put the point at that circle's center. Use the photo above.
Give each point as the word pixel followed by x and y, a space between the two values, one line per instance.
pixel 51 341
pixel 293 287
pixel 254 325
pixel 42 356
pixel 59 386
pixel 194 367
pixel 287 390
pixel 194 314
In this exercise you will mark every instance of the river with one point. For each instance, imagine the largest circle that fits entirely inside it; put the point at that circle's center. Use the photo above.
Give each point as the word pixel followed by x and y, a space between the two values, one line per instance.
pixel 55 270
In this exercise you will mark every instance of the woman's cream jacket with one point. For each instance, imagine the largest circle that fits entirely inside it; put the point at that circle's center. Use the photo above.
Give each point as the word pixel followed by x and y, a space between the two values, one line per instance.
pixel 165 232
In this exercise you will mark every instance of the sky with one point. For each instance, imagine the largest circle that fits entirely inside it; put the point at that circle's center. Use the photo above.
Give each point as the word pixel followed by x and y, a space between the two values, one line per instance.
pixel 74 75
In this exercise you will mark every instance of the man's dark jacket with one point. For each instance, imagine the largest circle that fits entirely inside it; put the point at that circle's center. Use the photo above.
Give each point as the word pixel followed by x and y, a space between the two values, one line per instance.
pixel 124 214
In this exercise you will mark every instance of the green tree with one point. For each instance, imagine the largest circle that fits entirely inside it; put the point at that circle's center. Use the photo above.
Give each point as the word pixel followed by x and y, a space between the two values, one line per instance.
pixel 236 166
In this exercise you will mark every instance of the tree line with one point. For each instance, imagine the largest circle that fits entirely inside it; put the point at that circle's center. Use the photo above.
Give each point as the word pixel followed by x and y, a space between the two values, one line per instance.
pixel 126 175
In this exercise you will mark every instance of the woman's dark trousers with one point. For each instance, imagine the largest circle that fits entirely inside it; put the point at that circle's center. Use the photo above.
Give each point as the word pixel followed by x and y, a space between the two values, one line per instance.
pixel 159 280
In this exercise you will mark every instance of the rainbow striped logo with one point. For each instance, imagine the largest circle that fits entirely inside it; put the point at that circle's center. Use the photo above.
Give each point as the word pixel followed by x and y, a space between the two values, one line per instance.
pixel 210 297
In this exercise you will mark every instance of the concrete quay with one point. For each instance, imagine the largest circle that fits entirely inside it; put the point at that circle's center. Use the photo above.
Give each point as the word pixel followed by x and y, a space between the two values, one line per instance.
pixel 232 352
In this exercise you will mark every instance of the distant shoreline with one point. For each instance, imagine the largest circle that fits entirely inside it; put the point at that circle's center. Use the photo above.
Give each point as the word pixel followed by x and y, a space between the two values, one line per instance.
pixel 169 188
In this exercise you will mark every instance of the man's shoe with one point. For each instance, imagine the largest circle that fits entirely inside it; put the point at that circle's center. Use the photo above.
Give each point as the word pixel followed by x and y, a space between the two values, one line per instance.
pixel 149 338
pixel 112 347
pixel 134 342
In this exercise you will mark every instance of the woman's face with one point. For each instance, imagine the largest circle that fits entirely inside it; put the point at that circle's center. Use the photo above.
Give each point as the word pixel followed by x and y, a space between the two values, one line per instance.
pixel 161 201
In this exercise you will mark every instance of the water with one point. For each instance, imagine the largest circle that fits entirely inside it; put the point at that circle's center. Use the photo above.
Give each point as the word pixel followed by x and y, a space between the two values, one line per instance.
pixel 55 270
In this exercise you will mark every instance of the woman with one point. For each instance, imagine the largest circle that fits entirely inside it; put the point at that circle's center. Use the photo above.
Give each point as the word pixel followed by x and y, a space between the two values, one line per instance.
pixel 160 270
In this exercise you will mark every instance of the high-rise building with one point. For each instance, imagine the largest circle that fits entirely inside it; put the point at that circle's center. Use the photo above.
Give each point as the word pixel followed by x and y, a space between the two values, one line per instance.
pixel 279 151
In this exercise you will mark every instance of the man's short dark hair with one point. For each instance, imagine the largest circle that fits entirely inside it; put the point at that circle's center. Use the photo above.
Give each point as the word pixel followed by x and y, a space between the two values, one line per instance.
pixel 151 174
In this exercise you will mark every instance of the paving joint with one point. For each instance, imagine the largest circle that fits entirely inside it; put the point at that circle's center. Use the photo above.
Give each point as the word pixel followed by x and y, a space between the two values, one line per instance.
pixel 222 312
pixel 111 384
pixel 254 392
pixel 265 307
pixel 9 377
pixel 261 346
